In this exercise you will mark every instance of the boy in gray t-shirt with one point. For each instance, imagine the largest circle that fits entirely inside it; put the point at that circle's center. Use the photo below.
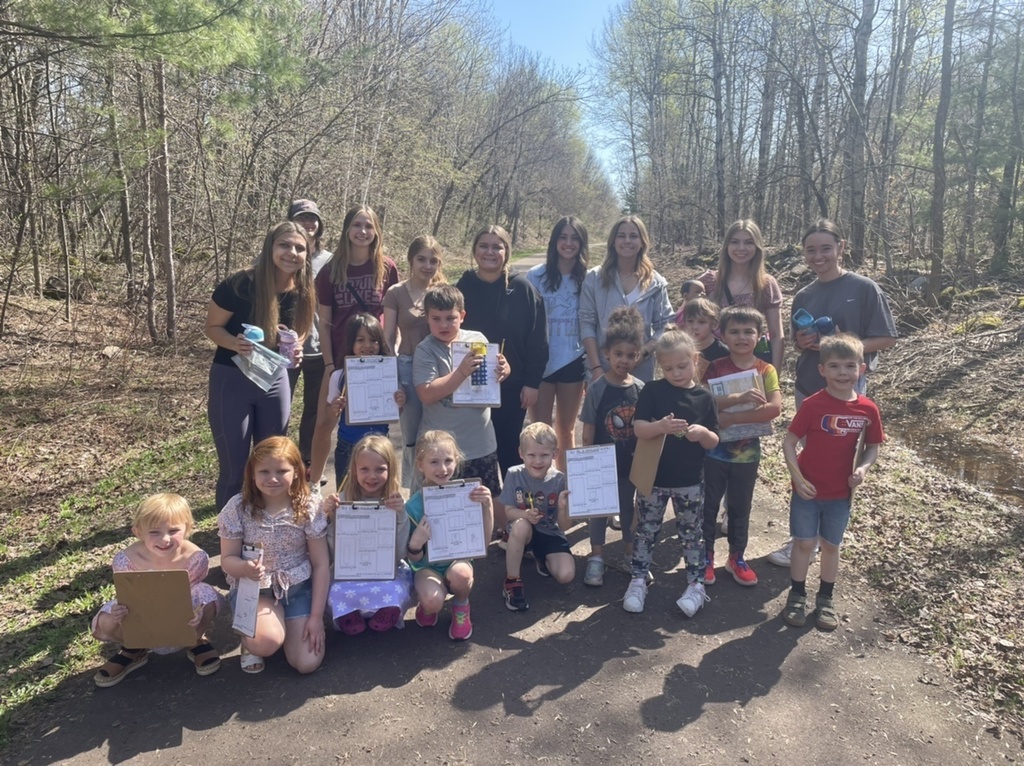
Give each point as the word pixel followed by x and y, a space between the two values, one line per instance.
pixel 536 502
pixel 436 379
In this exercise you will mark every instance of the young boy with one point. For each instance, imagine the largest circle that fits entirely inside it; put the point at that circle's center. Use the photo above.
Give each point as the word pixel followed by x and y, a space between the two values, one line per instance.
pixel 730 469
pixel 436 379
pixel 690 290
pixel 824 475
pixel 700 320
pixel 535 500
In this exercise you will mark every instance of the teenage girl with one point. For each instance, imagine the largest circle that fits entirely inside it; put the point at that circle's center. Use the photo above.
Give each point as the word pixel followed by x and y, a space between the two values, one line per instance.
pixel 607 418
pixel 625 278
pixel 379 604
pixel 162 524
pixel 741 280
pixel 353 281
pixel 684 413
pixel 365 337
pixel 277 290
pixel 558 281
pixel 504 306
pixel 437 460
pixel 405 324
pixel 275 511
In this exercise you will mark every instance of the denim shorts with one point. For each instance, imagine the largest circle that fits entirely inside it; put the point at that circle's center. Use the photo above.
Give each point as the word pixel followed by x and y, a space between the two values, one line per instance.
pixel 810 519
pixel 297 604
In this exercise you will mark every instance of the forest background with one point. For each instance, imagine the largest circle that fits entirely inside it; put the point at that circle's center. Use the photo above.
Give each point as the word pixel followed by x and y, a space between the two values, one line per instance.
pixel 146 147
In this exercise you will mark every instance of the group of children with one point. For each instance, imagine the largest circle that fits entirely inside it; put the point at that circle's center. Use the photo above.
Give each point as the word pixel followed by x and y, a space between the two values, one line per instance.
pixel 279 515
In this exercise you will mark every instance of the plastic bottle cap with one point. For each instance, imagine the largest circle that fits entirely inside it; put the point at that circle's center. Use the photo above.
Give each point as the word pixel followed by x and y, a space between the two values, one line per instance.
pixel 253 333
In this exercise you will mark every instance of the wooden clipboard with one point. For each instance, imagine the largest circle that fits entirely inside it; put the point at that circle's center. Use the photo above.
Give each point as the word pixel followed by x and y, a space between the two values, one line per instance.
pixel 645 463
pixel 159 608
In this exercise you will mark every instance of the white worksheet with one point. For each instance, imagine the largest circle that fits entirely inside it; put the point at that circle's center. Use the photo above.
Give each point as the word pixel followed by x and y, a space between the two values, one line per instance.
pixel 247 599
pixel 592 480
pixel 456 522
pixel 364 541
pixel 737 383
pixel 372 382
pixel 482 388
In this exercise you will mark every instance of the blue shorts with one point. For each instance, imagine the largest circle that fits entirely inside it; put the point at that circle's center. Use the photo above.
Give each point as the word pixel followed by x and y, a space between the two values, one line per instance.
pixel 810 519
pixel 297 604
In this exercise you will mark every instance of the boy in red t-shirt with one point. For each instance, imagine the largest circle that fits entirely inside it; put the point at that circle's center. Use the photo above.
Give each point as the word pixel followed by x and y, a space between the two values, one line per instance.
pixel 830 423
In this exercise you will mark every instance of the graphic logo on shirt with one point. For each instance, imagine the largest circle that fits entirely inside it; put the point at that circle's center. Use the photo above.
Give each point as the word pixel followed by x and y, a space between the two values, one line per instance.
pixel 619 422
pixel 552 500
pixel 520 499
pixel 540 500
pixel 843 425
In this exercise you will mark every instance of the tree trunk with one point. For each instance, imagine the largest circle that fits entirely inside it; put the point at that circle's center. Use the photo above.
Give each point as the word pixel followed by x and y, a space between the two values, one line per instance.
pixel 939 157
pixel 857 129
pixel 162 191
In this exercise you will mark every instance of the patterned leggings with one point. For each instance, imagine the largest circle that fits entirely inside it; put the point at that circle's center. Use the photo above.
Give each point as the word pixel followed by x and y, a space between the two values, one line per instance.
pixel 688 505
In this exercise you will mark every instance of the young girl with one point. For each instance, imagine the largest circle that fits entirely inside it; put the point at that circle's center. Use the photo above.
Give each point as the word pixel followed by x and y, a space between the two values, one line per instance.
pixel 438 459
pixel 607 418
pixel 354 281
pixel 365 337
pixel 741 280
pixel 558 281
pixel 676 407
pixel 372 475
pixel 404 315
pixel 275 511
pixel 162 524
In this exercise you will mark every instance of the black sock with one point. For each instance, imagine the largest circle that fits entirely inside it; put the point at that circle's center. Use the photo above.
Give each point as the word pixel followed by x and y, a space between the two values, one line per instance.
pixel 825 589
pixel 799 587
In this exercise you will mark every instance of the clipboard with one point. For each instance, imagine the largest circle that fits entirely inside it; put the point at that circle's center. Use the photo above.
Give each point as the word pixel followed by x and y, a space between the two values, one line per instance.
pixel 456 522
pixel 482 388
pixel 247 596
pixel 365 547
pixel 645 463
pixel 159 608
pixel 593 481
pixel 371 383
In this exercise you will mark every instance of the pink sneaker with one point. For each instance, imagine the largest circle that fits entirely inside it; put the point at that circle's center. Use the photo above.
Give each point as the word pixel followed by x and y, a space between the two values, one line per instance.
pixel 461 627
pixel 740 570
pixel 351 624
pixel 423 619
pixel 384 619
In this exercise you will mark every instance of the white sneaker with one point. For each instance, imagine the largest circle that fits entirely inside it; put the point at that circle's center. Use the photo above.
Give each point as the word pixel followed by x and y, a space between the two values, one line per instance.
pixel 635 596
pixel 627 563
pixel 781 557
pixel 693 599
pixel 615 522
pixel 595 572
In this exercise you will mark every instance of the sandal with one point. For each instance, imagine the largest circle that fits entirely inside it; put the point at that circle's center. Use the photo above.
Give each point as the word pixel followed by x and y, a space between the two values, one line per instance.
pixel 119 666
pixel 251 663
pixel 205 658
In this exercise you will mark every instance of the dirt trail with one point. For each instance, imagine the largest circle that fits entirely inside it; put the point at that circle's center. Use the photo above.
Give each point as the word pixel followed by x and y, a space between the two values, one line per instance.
pixel 576 680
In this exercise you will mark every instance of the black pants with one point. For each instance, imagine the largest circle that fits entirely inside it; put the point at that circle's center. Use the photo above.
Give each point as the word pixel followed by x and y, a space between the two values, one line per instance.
pixel 312 370
pixel 508 424
pixel 739 479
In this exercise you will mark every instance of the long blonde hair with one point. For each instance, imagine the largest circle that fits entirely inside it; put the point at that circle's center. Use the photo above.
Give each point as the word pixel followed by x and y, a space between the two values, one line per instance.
pixel 265 307
pixel 343 255
pixel 644 266
pixel 427 242
pixel 759 276
pixel 506 240
pixel 350 490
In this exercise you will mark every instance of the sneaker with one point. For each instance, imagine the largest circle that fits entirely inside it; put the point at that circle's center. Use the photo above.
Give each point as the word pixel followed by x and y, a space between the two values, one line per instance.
pixel 615 522
pixel 423 619
pixel 461 627
pixel 542 568
pixel 781 557
pixel 595 572
pixel 709 570
pixel 515 597
pixel 693 599
pixel 794 613
pixel 740 570
pixel 627 565
pixel 825 614
pixel 635 596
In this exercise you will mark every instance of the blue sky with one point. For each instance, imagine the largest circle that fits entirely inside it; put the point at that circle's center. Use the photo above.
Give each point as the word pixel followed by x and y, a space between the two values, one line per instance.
pixel 560 31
